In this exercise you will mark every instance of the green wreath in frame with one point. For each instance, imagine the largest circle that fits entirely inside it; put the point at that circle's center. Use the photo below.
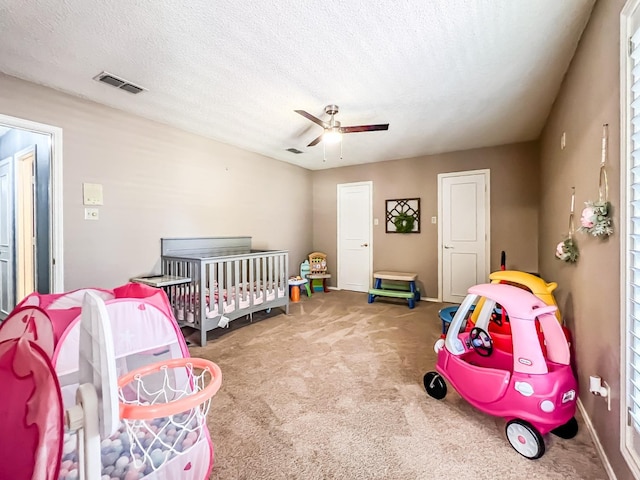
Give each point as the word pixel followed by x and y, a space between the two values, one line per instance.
pixel 404 223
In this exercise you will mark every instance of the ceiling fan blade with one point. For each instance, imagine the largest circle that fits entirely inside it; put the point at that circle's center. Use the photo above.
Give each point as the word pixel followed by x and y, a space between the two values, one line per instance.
pixel 364 128
pixel 312 118
pixel 316 141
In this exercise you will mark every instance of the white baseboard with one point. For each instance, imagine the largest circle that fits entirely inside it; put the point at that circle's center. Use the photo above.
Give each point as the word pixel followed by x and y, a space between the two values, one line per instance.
pixel 596 442
pixel 429 299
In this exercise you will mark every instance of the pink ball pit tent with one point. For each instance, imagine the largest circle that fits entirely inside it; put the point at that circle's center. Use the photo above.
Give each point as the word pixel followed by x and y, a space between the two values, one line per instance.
pixel 144 332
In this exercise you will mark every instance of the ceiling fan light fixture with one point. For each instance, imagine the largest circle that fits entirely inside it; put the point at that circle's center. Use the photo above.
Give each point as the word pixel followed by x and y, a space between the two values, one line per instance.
pixel 332 136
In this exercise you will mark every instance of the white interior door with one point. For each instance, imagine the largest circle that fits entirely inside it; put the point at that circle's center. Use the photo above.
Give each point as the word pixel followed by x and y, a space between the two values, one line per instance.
pixel 354 236
pixel 6 237
pixel 25 224
pixel 464 232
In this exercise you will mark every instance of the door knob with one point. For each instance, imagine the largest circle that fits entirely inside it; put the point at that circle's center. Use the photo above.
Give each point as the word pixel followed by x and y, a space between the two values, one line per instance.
pixel 448 246
pixel 364 245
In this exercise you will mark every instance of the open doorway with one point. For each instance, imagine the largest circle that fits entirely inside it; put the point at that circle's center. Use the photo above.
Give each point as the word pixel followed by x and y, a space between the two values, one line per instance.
pixel 30 227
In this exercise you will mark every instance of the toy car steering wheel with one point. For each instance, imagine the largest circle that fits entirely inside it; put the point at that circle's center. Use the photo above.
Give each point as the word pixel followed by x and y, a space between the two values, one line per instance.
pixel 481 342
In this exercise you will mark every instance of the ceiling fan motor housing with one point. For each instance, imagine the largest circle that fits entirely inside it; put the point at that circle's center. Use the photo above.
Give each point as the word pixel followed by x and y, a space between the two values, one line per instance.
pixel 331 109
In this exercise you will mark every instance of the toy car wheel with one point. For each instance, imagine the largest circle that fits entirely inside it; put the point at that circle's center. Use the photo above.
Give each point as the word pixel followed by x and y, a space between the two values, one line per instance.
pixel 568 430
pixel 435 385
pixel 525 439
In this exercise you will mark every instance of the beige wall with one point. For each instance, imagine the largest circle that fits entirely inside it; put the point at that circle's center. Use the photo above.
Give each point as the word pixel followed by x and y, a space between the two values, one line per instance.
pixel 514 208
pixel 158 182
pixel 588 292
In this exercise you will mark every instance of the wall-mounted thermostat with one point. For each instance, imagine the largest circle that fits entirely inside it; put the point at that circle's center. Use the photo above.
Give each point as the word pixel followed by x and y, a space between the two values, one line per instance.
pixel 92 194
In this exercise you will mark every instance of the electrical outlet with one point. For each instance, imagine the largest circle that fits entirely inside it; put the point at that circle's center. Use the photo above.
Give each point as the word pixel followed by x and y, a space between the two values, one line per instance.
pixel 563 140
pixel 434 219
pixel 375 221
pixel 91 214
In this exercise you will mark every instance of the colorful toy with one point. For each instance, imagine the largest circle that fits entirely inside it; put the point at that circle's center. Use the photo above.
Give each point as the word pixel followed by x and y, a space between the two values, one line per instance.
pixel 151 424
pixel 535 394
pixel 318 274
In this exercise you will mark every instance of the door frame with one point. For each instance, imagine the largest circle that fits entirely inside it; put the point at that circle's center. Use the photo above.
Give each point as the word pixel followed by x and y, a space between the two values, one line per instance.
pixel 487 198
pixel 368 183
pixel 56 244
pixel 629 455
pixel 11 238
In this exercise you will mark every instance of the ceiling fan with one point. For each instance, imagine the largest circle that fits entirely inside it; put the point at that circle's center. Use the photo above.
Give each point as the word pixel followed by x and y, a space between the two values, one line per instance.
pixel 332 129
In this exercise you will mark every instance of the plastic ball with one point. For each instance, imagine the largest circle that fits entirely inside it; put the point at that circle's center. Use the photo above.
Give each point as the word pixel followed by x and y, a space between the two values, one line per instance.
pixel 117 473
pixel 132 475
pixel 122 462
pixel 105 477
pixel 109 458
pixel 106 443
pixel 68 447
pixel 157 457
pixel 73 474
pixel 63 473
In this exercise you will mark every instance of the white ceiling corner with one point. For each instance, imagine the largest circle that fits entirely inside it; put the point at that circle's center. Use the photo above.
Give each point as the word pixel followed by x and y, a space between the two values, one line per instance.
pixel 445 74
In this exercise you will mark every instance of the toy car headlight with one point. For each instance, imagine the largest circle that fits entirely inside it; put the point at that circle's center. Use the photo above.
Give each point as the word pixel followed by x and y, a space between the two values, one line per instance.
pixel 547 406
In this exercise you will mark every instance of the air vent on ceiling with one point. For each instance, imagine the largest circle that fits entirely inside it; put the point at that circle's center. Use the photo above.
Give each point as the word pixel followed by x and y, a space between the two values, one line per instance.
pixel 294 150
pixel 122 84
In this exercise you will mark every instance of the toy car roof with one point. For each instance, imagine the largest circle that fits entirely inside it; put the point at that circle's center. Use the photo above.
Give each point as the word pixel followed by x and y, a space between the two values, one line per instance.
pixel 536 284
pixel 518 302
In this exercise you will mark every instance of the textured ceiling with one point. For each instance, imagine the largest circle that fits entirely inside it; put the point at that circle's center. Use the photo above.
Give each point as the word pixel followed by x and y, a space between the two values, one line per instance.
pixel 445 74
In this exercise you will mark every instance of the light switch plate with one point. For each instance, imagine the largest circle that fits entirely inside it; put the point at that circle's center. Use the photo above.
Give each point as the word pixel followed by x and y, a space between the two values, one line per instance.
pixel 92 194
pixel 91 214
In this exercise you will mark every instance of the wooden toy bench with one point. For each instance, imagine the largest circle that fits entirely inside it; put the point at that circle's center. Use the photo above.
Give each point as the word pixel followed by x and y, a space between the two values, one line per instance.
pixel 405 288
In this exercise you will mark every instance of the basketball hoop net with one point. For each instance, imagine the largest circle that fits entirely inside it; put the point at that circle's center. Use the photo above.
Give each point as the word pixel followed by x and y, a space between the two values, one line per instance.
pixel 164 407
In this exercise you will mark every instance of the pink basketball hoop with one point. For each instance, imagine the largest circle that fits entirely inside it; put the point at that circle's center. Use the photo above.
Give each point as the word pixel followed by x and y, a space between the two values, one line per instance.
pixel 164 407
pixel 188 400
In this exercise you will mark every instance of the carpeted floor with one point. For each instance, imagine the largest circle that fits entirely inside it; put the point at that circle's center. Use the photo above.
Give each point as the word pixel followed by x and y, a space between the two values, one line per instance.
pixel 334 391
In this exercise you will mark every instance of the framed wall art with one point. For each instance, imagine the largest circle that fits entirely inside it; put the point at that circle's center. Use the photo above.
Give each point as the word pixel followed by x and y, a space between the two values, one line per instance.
pixel 402 215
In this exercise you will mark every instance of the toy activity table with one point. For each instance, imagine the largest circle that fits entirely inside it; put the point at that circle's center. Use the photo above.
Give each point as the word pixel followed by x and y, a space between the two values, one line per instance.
pixel 404 286
pixel 294 288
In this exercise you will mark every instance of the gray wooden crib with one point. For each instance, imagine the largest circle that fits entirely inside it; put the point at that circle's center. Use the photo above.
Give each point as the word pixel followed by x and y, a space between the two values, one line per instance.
pixel 227 280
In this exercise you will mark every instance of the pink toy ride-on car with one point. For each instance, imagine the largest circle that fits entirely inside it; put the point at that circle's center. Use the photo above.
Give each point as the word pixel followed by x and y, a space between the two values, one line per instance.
pixel 534 394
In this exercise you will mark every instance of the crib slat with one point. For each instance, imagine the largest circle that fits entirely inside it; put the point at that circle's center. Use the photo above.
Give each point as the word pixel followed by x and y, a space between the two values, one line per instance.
pixel 211 287
pixel 236 275
pixel 252 287
pixel 220 288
